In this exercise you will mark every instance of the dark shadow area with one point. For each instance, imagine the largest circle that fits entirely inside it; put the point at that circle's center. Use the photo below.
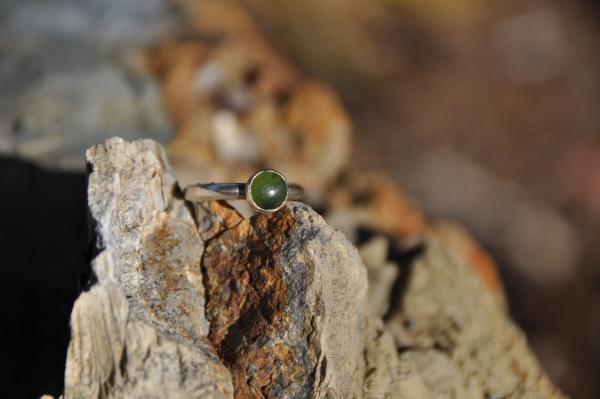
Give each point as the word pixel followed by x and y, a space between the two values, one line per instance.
pixel 42 256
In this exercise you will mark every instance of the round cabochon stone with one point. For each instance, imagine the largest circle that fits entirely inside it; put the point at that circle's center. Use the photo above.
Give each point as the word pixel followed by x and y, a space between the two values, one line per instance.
pixel 268 190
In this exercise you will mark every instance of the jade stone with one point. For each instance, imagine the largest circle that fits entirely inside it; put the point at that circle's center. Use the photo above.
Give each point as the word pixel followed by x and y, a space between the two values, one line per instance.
pixel 268 190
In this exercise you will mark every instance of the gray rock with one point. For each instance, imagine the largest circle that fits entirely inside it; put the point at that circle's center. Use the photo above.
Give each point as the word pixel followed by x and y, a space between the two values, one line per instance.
pixel 70 79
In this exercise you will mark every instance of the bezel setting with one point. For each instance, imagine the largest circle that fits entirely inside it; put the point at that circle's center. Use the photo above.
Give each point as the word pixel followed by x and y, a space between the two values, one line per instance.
pixel 251 200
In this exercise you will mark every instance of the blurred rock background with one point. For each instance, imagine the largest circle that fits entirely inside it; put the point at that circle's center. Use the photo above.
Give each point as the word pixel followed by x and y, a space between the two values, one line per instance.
pixel 481 112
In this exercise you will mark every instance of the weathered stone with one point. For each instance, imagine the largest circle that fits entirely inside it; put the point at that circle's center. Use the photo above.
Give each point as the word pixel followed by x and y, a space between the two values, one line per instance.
pixel 150 233
pixel 114 355
pixel 373 201
pixel 285 306
pixel 382 273
pixel 461 243
pixel 454 333
pixel 197 301
pixel 141 330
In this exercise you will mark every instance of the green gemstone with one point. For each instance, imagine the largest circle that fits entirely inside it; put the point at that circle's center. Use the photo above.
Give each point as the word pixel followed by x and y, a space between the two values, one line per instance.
pixel 268 190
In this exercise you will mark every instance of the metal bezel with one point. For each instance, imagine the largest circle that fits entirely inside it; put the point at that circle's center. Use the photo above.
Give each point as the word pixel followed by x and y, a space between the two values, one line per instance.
pixel 249 193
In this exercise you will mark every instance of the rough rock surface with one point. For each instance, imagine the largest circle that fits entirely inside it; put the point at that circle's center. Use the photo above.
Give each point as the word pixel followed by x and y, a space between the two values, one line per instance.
pixel 453 331
pixel 140 330
pixel 197 301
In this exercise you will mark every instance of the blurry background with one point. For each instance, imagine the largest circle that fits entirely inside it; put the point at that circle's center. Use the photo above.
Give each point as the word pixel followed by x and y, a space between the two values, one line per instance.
pixel 484 112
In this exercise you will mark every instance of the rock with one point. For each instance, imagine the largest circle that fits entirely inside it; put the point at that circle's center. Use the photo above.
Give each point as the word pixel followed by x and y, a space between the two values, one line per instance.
pixel 71 77
pixel 463 245
pixel 115 355
pixel 287 308
pixel 373 201
pixel 454 333
pixel 141 329
pixel 382 273
pixel 198 301
pixel 274 304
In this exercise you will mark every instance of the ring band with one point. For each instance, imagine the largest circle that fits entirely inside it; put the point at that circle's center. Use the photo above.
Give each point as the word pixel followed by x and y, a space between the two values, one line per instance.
pixel 266 191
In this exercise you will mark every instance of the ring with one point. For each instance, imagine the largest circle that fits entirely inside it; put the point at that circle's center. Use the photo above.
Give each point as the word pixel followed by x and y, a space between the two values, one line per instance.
pixel 266 191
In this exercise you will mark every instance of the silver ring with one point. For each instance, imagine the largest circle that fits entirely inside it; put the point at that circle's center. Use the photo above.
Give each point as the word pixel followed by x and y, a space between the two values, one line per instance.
pixel 266 191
